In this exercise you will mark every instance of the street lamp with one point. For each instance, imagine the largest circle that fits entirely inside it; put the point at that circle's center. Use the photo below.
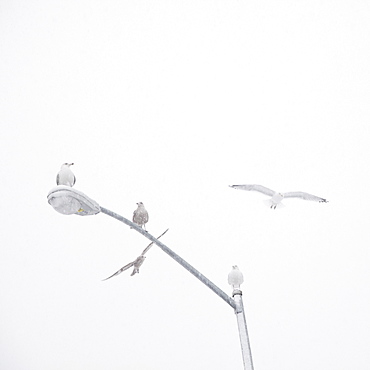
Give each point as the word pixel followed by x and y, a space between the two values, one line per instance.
pixel 67 200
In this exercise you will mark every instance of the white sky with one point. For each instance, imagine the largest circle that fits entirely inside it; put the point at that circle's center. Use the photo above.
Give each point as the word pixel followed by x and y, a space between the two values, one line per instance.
pixel 169 102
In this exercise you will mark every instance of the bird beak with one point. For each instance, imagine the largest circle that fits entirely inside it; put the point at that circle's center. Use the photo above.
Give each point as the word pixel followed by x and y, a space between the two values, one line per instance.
pixel 71 164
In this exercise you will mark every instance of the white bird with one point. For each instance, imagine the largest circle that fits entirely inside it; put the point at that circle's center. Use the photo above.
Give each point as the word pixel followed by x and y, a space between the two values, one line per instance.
pixel 65 176
pixel 276 198
pixel 235 277
pixel 140 216
pixel 137 263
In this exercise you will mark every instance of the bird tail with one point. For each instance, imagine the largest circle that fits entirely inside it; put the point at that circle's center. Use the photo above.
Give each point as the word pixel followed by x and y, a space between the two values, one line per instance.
pixel 135 271
pixel 271 204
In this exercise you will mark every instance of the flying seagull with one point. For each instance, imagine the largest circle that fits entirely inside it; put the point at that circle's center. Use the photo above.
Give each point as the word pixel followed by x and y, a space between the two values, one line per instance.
pixel 65 175
pixel 140 216
pixel 276 198
pixel 137 263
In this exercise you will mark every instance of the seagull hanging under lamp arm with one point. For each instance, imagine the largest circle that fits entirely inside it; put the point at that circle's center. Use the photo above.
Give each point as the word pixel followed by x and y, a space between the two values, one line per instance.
pixel 137 263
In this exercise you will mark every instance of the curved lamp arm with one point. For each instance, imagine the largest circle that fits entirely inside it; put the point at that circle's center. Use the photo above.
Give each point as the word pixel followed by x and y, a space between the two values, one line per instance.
pixel 67 200
pixel 175 256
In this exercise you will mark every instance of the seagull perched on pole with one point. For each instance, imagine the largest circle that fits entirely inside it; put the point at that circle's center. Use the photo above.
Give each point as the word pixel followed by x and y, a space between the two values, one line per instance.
pixel 140 216
pixel 235 277
pixel 276 198
pixel 137 263
pixel 65 175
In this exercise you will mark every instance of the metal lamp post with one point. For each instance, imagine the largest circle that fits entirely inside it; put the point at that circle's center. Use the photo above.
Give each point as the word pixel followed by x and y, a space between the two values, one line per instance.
pixel 235 279
pixel 67 200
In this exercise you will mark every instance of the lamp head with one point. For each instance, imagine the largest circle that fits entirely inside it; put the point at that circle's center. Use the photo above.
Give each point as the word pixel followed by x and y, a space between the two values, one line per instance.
pixel 69 201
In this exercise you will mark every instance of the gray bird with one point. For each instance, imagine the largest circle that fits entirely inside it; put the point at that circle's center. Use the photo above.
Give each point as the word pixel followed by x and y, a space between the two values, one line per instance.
pixel 65 176
pixel 140 216
pixel 276 198
pixel 137 263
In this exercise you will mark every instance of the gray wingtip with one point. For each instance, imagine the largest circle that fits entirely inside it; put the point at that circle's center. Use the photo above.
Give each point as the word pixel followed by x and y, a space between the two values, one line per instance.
pixel 109 277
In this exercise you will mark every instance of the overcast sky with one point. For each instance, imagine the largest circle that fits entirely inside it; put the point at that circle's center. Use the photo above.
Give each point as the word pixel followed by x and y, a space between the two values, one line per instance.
pixel 168 103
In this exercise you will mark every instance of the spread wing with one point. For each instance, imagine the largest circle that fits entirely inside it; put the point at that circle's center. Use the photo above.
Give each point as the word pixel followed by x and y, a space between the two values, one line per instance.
pixel 258 188
pixel 305 196
pixel 149 246
pixel 124 268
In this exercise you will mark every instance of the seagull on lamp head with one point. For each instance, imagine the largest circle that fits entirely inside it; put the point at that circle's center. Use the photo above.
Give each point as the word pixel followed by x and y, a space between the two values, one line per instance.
pixel 276 198
pixel 137 263
pixel 140 216
pixel 65 176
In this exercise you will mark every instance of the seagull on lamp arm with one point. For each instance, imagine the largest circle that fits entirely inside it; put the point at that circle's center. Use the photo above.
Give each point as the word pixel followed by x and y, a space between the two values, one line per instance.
pixel 276 198
pixel 140 216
